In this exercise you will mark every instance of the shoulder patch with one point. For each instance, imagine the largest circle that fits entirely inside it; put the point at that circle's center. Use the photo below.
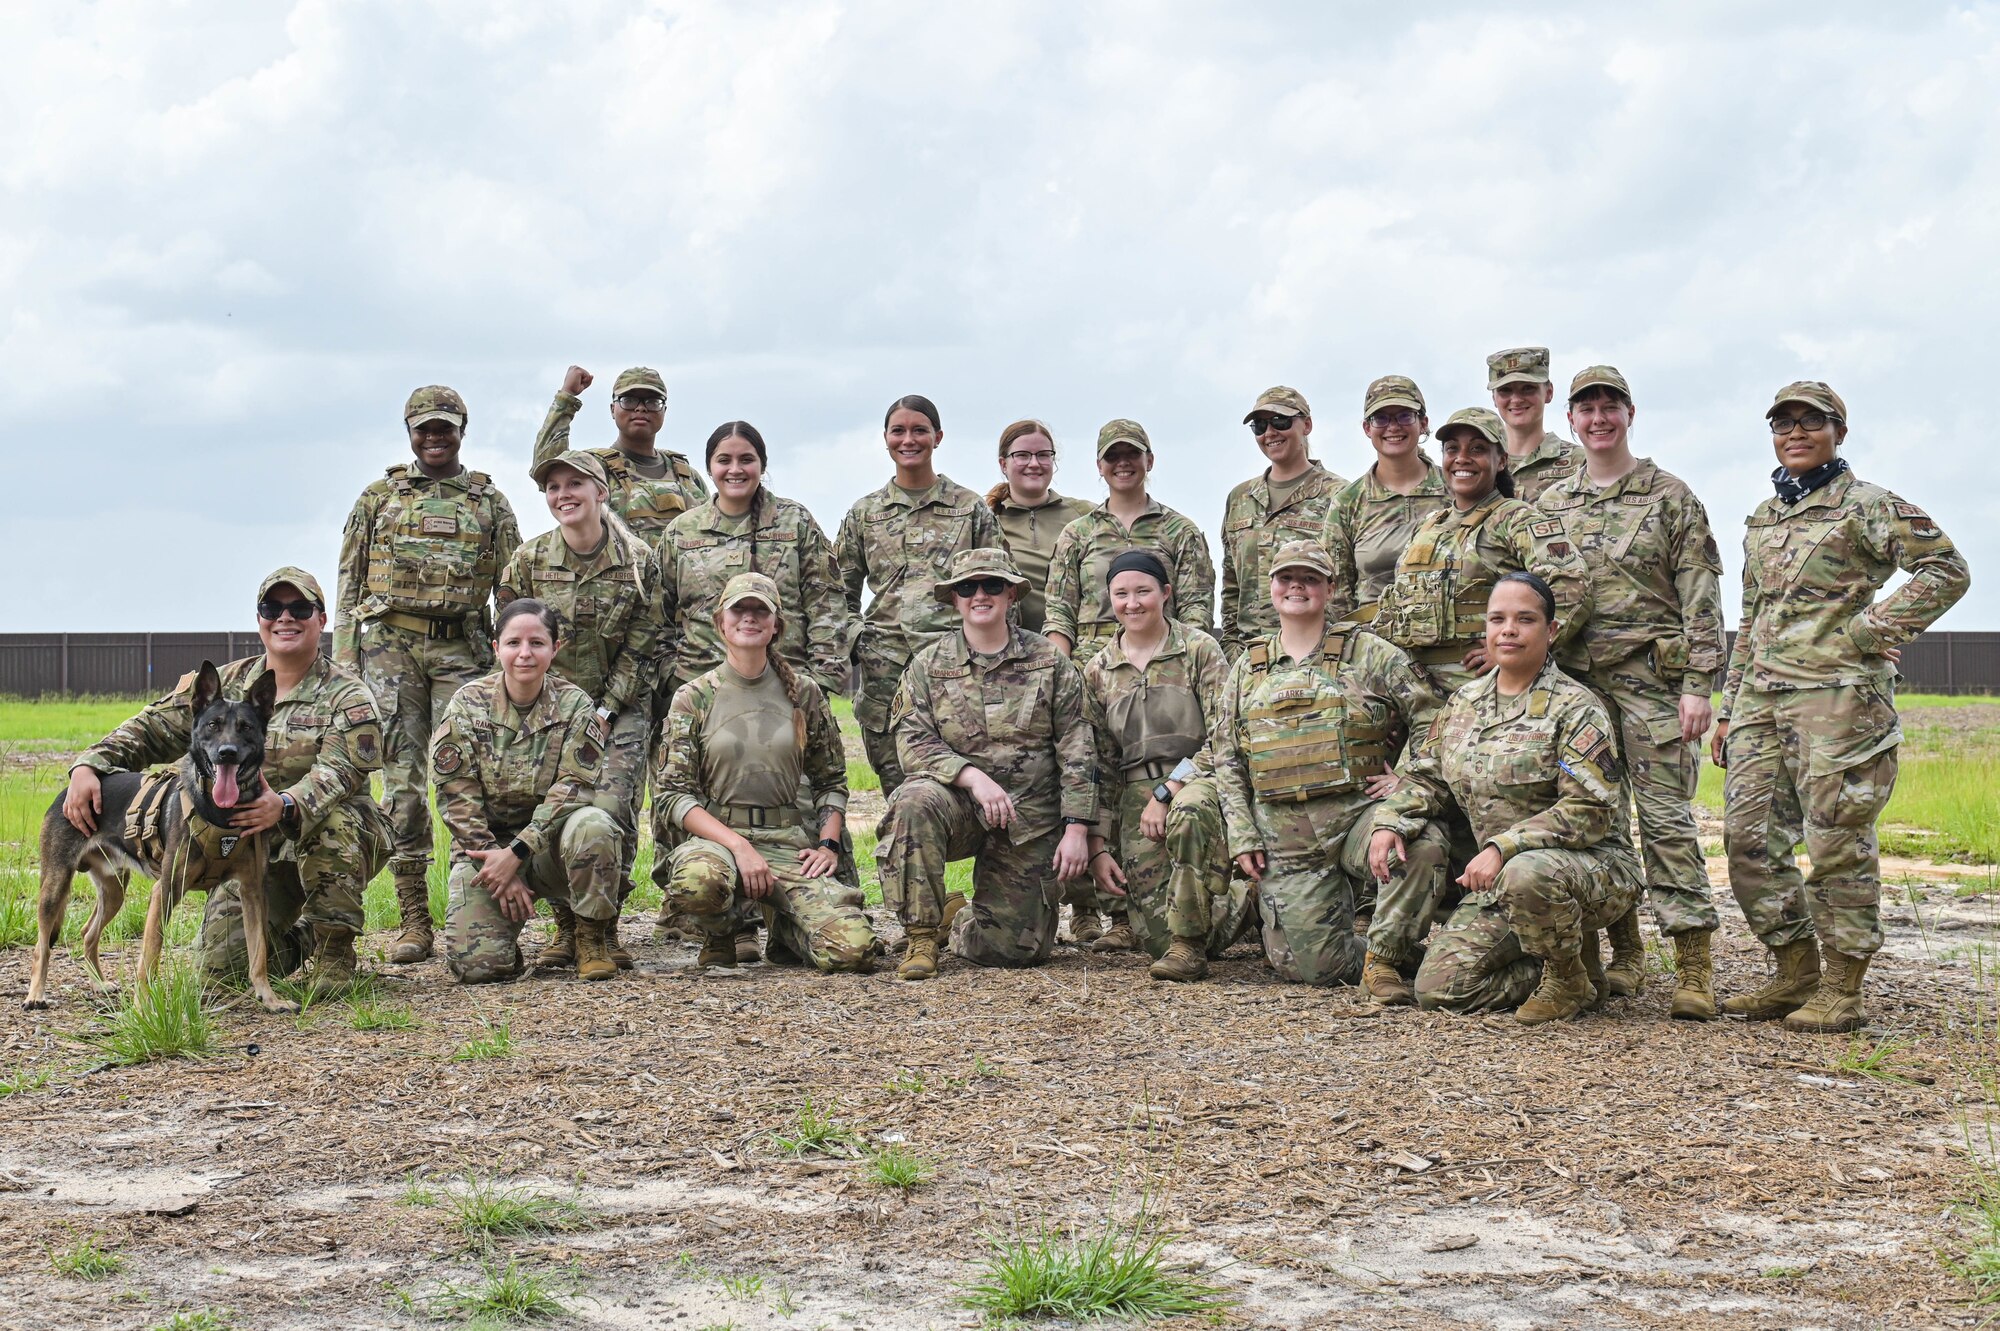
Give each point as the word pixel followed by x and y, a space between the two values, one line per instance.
pixel 1560 549
pixel 595 728
pixel 1588 741
pixel 1546 528
pixel 1904 510
pixel 360 712
pixel 447 760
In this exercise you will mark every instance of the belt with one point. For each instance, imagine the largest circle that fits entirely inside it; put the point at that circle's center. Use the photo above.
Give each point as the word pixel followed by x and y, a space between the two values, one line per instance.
pixel 424 624
pixel 1156 770
pixel 756 815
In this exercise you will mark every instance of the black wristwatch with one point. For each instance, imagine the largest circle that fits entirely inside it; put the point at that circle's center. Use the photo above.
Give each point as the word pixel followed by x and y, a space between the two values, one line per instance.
pixel 1163 794
pixel 830 843
pixel 521 850
pixel 1079 822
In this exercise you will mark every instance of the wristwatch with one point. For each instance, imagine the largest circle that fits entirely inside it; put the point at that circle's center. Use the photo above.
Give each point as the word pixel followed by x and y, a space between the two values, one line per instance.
pixel 290 814
pixel 1163 794
pixel 521 850
pixel 830 843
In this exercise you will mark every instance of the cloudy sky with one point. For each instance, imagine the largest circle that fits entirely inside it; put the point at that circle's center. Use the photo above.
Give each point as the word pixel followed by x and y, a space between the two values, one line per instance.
pixel 234 236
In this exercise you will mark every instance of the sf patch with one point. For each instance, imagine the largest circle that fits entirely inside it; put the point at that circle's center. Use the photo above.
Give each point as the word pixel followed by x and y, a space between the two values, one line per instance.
pixel 359 713
pixel 1920 521
pixel 1546 528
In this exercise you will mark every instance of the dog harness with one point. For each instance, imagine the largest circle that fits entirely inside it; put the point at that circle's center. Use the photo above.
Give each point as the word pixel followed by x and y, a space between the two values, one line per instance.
pixel 207 855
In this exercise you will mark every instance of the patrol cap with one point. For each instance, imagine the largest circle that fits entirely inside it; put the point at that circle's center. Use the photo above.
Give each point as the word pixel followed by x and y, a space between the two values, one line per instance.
pixel 1285 401
pixel 750 587
pixel 298 577
pixel 984 562
pixel 580 460
pixel 640 377
pixel 1518 365
pixel 1483 419
pixel 434 402
pixel 1814 394
pixel 1599 376
pixel 1393 390
pixel 1303 554
pixel 1122 431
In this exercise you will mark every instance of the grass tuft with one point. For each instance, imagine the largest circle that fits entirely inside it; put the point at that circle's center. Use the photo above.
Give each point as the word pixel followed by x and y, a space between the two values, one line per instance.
pixel 1863 1060
pixel 373 1015
pixel 1120 1271
pixel 743 1287
pixel 502 1295
pixel 814 1130
pixel 83 1259
pixel 24 1081
pixel 496 1042
pixel 485 1207
pixel 896 1167
pixel 17 920
pixel 166 1018
pixel 417 1191
pixel 200 1319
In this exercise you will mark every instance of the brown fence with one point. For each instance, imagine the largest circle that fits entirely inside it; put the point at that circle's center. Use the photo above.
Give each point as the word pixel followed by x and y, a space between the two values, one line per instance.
pixel 34 665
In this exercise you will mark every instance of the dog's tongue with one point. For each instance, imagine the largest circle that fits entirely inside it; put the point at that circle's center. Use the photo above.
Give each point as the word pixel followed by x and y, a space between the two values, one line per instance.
pixel 226 793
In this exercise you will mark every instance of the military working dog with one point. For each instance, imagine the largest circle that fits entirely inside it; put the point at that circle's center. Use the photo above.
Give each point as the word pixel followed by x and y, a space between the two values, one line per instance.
pixel 173 825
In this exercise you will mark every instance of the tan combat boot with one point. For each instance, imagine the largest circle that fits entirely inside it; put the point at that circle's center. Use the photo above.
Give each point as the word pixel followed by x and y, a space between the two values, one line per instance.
pixel 953 904
pixel 672 926
pixel 1593 970
pixel 560 954
pixel 717 950
pixel 413 900
pixel 1790 989
pixel 1183 960
pixel 332 964
pixel 1118 938
pixel 1084 927
pixel 615 949
pixel 1385 984
pixel 745 943
pixel 920 954
pixel 1694 989
pixel 1563 992
pixel 593 957
pixel 1627 971
pixel 1836 1008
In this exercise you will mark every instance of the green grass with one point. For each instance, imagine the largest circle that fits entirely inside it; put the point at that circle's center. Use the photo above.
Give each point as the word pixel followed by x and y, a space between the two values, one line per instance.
pixel 1119 1271
pixel 167 1018
pixel 25 1081
pixel 485 1208
pixel 374 1015
pixel 201 1319
pixel 1978 1264
pixel 1862 1059
pixel 83 1259
pixel 495 1041
pixel 743 1287
pixel 814 1131
pixel 899 1168
pixel 417 1191
pixel 502 1295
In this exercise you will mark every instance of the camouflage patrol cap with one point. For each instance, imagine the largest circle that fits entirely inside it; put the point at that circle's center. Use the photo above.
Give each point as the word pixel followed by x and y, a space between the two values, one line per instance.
pixel 1286 401
pixel 750 587
pixel 298 577
pixel 1518 365
pixel 1303 554
pixel 1122 431
pixel 985 562
pixel 1599 376
pixel 1814 394
pixel 1483 419
pixel 579 460
pixel 434 402
pixel 639 377
pixel 1393 390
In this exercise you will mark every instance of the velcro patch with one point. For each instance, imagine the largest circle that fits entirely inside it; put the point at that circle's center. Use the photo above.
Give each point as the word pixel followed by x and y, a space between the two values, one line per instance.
pixel 447 759
pixel 595 728
pixel 1560 549
pixel 590 755
pixel 1925 528
pixel 1589 741
pixel 359 713
pixel 439 524
pixel 1546 528
pixel 1904 510
pixel 227 845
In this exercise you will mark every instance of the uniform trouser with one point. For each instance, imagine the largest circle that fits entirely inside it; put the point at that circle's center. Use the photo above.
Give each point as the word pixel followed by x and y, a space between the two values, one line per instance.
pixel 1418 892
pixel 1163 903
pixel 1315 860
pixel 579 867
pixel 316 880
pixel 1198 850
pixel 412 678
pixel 621 786
pixel 1662 772
pixel 1822 763
pixel 1011 919
pixel 816 919
pixel 1489 954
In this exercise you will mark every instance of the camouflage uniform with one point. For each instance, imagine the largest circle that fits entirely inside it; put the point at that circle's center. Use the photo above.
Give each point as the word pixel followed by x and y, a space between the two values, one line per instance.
pixel 1079 604
pixel 739 749
pixel 1654 634
pixel 507 774
pixel 1252 527
pixel 1436 608
pixel 1554 458
pixel 1199 866
pixel 648 493
pixel 418 562
pixel 1298 741
pixel 1368 526
pixel 1151 720
pixel 1811 703
pixel 1029 537
pixel 611 637
pixel 323 741
pixel 1537 777
pixel 1023 718
pixel 897 544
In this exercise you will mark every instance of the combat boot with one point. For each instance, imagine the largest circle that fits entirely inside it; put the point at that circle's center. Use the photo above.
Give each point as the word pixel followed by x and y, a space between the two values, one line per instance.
pixel 920 953
pixel 747 951
pixel 593 957
pixel 1790 989
pixel 1084 927
pixel 1183 960
pixel 1563 992
pixel 1627 971
pixel 1118 938
pixel 953 904
pixel 1836 1008
pixel 672 926
pixel 1385 984
pixel 332 965
pixel 1593 969
pixel 1694 989
pixel 615 949
pixel 560 954
pixel 413 900
pixel 717 950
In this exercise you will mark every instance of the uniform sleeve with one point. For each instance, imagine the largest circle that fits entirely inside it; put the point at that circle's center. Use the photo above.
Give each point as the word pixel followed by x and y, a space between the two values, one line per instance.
pixel 506 531
pixel 1211 678
pixel 638 656
pixel 986 528
pixel 1232 773
pixel 677 781
pixel 920 746
pixel 1698 587
pixel 351 751
pixel 578 772
pixel 1194 579
pixel 852 554
pixel 1904 535
pixel 1337 536
pixel 159 734
pixel 1064 596
pixel 1416 697
pixel 1096 681
pixel 552 440
pixel 1421 794
pixel 827 617
pixel 461 788
pixel 1076 744
pixel 516 580
pixel 1232 609
pixel 826 756
pixel 351 579
pixel 1589 789
pixel 1739 655
pixel 1542 546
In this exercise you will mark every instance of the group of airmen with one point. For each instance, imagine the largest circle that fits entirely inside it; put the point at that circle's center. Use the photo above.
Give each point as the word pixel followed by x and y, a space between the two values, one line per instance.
pixel 1409 756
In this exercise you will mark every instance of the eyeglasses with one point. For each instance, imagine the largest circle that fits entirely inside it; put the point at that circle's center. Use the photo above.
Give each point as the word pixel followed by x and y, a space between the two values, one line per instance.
pixel 1043 456
pixel 639 401
pixel 1811 420
pixel 1260 424
pixel 1387 418
pixel 273 611
pixel 972 587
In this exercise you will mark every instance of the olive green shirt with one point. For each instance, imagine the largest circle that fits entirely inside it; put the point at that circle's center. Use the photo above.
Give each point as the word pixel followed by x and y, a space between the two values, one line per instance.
pixel 1030 536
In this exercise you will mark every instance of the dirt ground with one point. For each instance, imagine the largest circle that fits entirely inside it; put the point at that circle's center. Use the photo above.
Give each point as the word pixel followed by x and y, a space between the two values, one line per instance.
pixel 1327 1162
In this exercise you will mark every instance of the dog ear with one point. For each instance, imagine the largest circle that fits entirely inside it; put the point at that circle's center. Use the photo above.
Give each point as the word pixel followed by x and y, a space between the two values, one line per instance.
pixel 207 687
pixel 264 695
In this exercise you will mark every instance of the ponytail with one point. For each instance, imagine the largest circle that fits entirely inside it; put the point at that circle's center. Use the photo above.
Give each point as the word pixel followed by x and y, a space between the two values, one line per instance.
pixel 1503 481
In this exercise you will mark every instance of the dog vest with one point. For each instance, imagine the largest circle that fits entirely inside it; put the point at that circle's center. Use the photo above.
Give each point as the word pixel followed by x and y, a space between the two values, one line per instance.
pixel 1433 604
pixel 207 855
pixel 435 554
pixel 1303 741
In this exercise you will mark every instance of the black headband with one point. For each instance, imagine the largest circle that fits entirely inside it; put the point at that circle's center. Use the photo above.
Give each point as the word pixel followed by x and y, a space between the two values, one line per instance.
pixel 1138 561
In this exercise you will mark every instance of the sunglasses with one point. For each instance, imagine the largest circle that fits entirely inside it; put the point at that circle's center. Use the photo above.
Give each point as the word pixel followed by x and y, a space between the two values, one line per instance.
pixel 972 587
pixel 273 611
pixel 1260 424
pixel 1811 420
pixel 639 401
